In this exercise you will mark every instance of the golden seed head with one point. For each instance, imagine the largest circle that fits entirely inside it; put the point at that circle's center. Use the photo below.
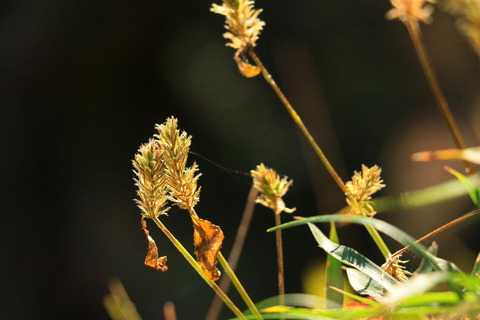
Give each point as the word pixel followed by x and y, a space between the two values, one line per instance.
pixel 182 180
pixel 394 267
pixel 271 188
pixel 410 10
pixel 150 179
pixel 361 188
pixel 468 19
pixel 243 30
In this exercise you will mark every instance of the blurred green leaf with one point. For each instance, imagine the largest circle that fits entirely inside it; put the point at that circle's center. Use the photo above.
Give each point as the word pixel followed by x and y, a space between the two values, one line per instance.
pixel 473 191
pixel 416 286
pixel 333 274
pixel 436 194
pixel 425 267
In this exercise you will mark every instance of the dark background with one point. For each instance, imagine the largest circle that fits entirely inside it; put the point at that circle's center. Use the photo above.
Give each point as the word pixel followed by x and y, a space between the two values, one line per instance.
pixel 83 83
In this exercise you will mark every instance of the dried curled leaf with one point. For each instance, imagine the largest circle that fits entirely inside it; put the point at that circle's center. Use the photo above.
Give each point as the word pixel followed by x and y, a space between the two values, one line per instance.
pixel 152 259
pixel 207 239
pixel 246 69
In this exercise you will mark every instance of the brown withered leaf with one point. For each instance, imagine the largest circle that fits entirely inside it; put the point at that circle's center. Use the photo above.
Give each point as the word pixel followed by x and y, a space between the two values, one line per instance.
pixel 207 239
pixel 152 259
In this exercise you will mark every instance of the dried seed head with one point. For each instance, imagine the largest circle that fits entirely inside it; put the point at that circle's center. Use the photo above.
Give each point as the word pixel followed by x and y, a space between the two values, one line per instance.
pixel 271 188
pixel 361 188
pixel 243 29
pixel 468 19
pixel 394 266
pixel 410 10
pixel 181 180
pixel 150 179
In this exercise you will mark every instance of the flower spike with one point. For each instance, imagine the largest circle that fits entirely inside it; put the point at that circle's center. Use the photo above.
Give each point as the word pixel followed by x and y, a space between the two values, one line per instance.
pixel 243 29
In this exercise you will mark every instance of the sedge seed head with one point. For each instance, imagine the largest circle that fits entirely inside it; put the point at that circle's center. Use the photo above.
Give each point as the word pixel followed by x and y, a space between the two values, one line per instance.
pixel 395 267
pixel 243 30
pixel 272 188
pixel 467 13
pixel 411 10
pixel 150 180
pixel 360 190
pixel 181 180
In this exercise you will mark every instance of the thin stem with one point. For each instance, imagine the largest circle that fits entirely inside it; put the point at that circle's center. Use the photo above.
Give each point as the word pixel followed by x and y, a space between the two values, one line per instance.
pixel 298 121
pixel 378 241
pixel 268 77
pixel 281 276
pixel 440 229
pixel 415 33
pixel 197 268
pixel 234 256
pixel 238 286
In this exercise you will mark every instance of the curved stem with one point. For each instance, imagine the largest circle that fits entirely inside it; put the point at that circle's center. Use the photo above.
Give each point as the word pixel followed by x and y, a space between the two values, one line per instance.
pixel 268 77
pixel 238 286
pixel 234 256
pixel 414 31
pixel 197 268
pixel 298 121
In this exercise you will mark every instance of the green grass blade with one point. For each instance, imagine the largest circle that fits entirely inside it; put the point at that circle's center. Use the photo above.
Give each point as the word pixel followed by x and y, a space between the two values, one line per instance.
pixel 353 258
pixel 416 286
pixel 384 227
pixel 425 267
pixel 333 274
pixel 473 191
pixel 436 194
pixel 363 284
pixel 476 267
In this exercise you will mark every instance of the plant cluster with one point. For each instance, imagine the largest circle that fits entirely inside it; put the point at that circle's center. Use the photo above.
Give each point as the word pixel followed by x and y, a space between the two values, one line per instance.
pixel 388 291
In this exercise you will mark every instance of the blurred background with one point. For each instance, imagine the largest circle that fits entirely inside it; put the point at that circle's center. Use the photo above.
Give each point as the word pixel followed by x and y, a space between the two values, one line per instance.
pixel 83 83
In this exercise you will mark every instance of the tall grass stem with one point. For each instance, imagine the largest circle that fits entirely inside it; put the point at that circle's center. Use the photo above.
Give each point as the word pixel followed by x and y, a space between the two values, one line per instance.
pixel 281 269
pixel 415 33
pixel 239 286
pixel 296 118
pixel 242 230
pixel 197 268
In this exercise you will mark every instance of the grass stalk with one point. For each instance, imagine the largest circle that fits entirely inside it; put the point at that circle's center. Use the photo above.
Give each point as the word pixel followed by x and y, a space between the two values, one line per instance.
pixel 378 241
pixel 416 36
pixel 239 286
pixel 197 268
pixel 216 306
pixel 281 272
pixel 296 118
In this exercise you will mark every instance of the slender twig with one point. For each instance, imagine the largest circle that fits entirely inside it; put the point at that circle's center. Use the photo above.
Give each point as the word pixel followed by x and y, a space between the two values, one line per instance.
pixel 440 229
pixel 234 256
pixel 169 311
pixel 298 121
pixel 281 276
pixel 199 270
pixel 415 33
